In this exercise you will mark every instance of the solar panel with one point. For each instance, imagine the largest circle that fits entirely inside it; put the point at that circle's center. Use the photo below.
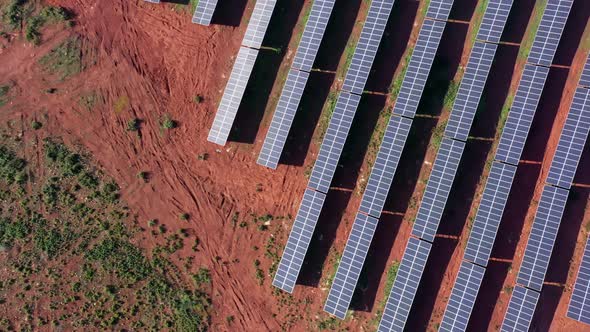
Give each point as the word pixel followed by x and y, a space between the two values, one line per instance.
pixel 298 242
pixel 350 265
pixel 521 114
pixel 258 23
pixel 470 90
pixel 520 310
pixel 334 139
pixel 232 96
pixel 152 1
pixel 462 297
pixel 489 214
pixel 313 34
pixel 405 286
pixel 204 12
pixel 439 9
pixel 571 142
pixel 419 68
pixel 549 32
pixel 367 46
pixel 494 20
pixel 438 189
pixel 542 238
pixel 579 308
pixel 282 118
pixel 585 78
pixel 385 165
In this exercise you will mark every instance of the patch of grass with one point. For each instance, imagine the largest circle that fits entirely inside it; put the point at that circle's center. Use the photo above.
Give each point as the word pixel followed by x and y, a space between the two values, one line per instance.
pixel 391 275
pixel 451 94
pixel 4 91
pixel 65 60
pixel 438 134
pixel 529 37
pixel 327 112
pixel 398 81
pixel 15 13
pixel 504 113
pixel 89 100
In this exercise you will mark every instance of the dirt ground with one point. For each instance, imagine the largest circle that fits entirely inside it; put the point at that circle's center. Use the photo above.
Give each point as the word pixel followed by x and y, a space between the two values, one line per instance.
pixel 149 62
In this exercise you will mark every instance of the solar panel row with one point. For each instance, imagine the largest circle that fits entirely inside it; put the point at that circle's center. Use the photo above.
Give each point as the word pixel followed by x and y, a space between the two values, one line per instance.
pixel 439 9
pixel 462 298
pixel 549 32
pixel 258 23
pixel 585 78
pixel 204 12
pixel 296 247
pixel 284 114
pixel 571 142
pixel 579 307
pixel 405 286
pixel 520 310
pixel 438 188
pixel 366 48
pixel 494 20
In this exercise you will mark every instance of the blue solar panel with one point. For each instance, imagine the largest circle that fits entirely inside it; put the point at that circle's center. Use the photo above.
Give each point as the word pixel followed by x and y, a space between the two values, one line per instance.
pixel 331 149
pixel 521 114
pixel 489 214
pixel 385 165
pixel 494 20
pixel 439 9
pixel 579 308
pixel 258 23
pixel 585 78
pixel 572 141
pixel 549 32
pixel 152 1
pixel 405 286
pixel 542 238
pixel 282 119
pixel 470 90
pixel 520 310
pixel 299 239
pixel 419 68
pixel 366 49
pixel 204 12
pixel 462 298
pixel 313 34
pixel 438 189
pixel 350 265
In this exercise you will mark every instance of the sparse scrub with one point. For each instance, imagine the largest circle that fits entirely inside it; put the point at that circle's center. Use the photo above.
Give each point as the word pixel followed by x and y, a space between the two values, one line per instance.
pixel 167 123
pixel 133 124
pixel 65 60
pixel 36 125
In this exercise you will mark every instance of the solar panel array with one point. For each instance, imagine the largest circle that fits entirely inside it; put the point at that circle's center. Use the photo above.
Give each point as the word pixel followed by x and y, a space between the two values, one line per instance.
pixel 232 96
pixel 521 114
pixel 470 90
pixel 462 298
pixel 549 32
pixel 489 214
pixel 350 265
pixel 301 233
pixel 405 286
pixel 439 9
pixel 366 48
pixel 258 23
pixel 204 12
pixel 520 310
pixel 579 307
pixel 585 78
pixel 438 188
pixel 494 20
pixel 284 114
pixel 340 123
pixel 572 141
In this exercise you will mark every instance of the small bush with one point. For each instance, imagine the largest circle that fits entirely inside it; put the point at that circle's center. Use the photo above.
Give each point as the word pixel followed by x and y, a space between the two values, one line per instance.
pixel 184 216
pixel 133 125
pixel 199 99
pixel 167 123
pixel 36 125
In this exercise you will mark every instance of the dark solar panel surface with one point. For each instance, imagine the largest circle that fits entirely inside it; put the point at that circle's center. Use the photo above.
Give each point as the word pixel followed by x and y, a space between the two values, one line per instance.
pixel 579 308
pixel 520 310
pixel 494 20
pixel 549 32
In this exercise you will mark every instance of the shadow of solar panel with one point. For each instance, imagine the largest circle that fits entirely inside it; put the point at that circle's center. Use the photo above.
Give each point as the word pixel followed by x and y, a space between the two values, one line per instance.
pixel 439 9
pixel 334 139
pixel 494 20
pixel 549 32
pixel 313 34
pixel 542 238
pixel 282 119
pixel 385 165
pixel 520 310
pixel 521 114
pixel 571 142
pixel 405 286
pixel 579 307
pixel 419 67
pixel 486 223
pixel 470 91
pixel 437 191
pixel 232 95
pixel 462 298
pixel 298 241
pixel 585 78
pixel 350 265
pixel 204 12
pixel 366 48
pixel 258 23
